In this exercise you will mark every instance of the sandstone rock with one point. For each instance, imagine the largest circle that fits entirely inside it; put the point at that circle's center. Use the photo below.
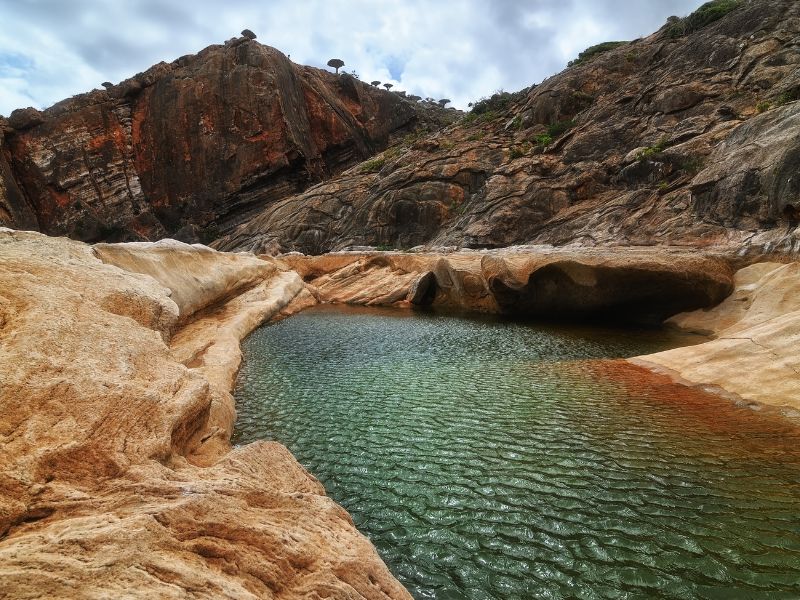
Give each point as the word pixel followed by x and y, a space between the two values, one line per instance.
pixel 570 175
pixel 756 333
pixel 118 479
pixel 197 275
pixel 624 284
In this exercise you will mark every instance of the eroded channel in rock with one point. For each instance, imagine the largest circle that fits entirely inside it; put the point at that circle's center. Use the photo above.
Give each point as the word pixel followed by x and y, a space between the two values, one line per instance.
pixel 492 459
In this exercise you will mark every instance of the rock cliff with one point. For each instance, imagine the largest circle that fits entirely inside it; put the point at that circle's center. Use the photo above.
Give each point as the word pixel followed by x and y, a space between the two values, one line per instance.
pixel 685 137
pixel 118 479
pixel 192 148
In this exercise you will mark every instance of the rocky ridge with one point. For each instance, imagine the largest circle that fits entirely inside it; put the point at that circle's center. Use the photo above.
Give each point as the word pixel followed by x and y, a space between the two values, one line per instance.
pixel 683 139
pixel 191 149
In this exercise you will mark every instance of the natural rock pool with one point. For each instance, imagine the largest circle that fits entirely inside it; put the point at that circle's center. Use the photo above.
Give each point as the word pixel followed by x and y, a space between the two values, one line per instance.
pixel 491 459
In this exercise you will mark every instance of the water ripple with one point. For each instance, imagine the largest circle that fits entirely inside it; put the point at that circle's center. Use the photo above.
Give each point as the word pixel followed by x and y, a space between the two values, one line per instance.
pixel 488 459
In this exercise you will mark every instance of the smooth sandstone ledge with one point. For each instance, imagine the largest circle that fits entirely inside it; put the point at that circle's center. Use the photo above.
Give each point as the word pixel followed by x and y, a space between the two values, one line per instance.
pixel 644 284
pixel 118 480
pixel 755 354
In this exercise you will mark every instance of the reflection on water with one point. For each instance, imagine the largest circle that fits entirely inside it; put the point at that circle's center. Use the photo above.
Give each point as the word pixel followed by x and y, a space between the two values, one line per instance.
pixel 489 459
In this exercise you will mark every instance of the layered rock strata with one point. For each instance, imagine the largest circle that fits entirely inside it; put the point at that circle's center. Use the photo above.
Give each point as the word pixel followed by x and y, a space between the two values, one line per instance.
pixel 666 140
pixel 192 148
pixel 118 479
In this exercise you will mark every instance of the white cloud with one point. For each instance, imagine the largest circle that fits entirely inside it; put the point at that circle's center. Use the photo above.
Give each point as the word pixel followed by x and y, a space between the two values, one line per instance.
pixel 460 49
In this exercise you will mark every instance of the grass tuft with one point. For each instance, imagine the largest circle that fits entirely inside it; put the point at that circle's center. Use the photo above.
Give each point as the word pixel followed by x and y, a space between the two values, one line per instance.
pixel 706 14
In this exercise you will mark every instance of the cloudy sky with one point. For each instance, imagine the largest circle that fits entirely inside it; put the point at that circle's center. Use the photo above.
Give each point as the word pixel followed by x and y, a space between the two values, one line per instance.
pixel 458 49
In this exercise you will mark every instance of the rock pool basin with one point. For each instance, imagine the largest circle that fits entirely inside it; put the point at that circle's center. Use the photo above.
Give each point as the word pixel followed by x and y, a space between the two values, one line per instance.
pixel 487 458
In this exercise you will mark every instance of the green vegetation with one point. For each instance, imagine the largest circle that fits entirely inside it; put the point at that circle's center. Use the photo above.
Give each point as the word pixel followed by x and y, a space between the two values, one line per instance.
pixel 497 102
pixel 384 247
pixel 788 96
pixel 651 151
pixel 476 136
pixel 763 106
pixel 693 165
pixel 393 152
pixel 707 13
pixel 487 109
pixel 593 51
pixel 580 101
pixel 472 117
pixel 413 137
pixel 558 128
pixel 373 165
pixel 554 130
pixel 520 150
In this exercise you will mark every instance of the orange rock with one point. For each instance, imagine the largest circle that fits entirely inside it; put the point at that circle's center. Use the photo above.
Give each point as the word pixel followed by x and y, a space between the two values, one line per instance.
pixel 117 475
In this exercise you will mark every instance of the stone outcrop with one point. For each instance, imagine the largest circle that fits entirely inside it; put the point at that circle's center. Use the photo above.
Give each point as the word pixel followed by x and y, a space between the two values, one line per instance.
pixel 687 140
pixel 756 332
pixel 192 148
pixel 643 285
pixel 118 479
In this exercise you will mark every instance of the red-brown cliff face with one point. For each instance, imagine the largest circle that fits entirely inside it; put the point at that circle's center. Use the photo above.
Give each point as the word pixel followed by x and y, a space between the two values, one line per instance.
pixel 189 149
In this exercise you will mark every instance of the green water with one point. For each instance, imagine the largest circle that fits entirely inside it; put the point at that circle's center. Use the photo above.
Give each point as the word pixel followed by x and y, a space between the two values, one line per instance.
pixel 488 459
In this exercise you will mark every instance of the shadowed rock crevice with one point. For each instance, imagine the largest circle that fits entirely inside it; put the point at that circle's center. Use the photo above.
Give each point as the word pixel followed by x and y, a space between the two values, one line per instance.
pixel 569 290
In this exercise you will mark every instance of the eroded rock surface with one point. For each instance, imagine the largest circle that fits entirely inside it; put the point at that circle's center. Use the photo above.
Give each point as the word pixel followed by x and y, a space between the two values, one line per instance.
pixel 192 148
pixel 118 479
pixel 688 140
pixel 643 285
pixel 756 334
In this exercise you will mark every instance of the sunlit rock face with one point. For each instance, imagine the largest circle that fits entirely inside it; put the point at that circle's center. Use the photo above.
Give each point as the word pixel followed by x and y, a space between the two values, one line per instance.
pixel 118 479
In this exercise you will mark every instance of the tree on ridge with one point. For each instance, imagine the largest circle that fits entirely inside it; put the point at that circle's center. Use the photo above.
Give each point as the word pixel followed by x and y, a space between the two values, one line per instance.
pixel 336 63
